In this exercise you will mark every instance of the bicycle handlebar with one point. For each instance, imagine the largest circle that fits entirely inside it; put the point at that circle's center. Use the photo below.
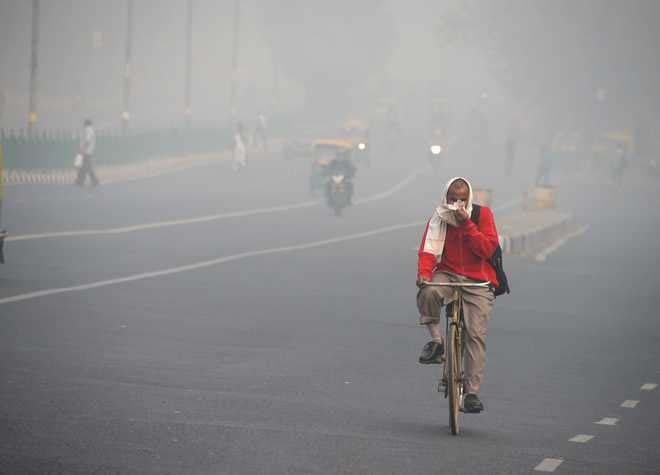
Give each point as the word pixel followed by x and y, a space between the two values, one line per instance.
pixel 457 284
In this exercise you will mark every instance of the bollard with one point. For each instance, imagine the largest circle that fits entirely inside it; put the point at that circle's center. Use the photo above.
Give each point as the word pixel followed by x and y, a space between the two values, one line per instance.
pixel 3 233
pixel 543 197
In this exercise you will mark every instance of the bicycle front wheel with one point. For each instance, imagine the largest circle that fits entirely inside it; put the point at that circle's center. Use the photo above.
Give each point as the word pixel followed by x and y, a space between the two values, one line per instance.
pixel 453 363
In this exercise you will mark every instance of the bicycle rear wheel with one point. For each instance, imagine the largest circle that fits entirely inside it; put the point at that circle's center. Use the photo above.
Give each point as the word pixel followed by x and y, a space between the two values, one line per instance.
pixel 453 363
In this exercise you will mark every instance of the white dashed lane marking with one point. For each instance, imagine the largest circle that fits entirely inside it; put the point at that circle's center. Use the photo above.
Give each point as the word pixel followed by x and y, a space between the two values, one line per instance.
pixel 548 465
pixel 209 263
pixel 543 255
pixel 212 217
pixel 581 438
pixel 607 421
pixel 629 403
pixel 648 386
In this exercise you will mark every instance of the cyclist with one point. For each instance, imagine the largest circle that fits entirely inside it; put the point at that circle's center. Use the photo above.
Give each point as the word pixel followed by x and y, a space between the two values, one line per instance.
pixel 455 249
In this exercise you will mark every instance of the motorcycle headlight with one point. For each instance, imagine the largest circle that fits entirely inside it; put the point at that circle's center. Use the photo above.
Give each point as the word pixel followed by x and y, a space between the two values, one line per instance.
pixel 436 149
pixel 362 146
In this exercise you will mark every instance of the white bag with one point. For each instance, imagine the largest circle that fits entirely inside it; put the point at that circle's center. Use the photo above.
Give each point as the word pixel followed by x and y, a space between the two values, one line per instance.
pixel 78 161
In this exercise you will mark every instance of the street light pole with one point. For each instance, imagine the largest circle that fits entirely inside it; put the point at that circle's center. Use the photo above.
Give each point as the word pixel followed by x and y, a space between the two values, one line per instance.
pixel 276 81
pixel 188 110
pixel 34 67
pixel 128 53
pixel 234 62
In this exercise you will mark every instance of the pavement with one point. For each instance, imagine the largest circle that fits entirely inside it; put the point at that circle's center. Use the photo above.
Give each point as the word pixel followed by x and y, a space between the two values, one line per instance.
pixel 208 321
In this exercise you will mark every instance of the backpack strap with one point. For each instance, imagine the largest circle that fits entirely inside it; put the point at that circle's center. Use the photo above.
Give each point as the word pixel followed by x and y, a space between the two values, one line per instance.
pixel 495 260
pixel 474 216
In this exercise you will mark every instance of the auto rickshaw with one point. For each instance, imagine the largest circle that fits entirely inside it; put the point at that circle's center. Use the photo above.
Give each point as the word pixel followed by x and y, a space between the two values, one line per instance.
pixel 357 133
pixel 604 147
pixel 323 152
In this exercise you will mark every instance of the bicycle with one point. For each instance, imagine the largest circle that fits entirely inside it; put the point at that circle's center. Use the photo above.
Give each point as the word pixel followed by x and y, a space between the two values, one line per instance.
pixel 451 382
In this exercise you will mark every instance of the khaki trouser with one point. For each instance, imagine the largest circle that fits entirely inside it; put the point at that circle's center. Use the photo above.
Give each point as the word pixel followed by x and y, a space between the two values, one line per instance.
pixel 477 308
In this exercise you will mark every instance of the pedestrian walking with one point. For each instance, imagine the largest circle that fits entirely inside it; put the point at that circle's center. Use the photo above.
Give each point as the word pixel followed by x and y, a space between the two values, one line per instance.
pixel 544 167
pixel 86 150
pixel 240 151
pixel 260 135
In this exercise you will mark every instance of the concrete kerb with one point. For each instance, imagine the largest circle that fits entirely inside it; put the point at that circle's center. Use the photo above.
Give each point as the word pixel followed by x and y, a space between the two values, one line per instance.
pixel 113 173
pixel 530 241
pixel 125 172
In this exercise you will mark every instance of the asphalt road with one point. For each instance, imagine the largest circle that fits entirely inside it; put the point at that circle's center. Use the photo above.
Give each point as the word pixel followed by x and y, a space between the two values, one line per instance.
pixel 285 340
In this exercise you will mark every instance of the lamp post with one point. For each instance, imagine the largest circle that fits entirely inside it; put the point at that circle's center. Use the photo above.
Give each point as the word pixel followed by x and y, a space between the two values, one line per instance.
pixel 188 110
pixel 234 61
pixel 128 53
pixel 34 67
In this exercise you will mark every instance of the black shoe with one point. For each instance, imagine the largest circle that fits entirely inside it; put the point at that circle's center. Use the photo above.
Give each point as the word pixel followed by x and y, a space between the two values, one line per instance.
pixel 472 404
pixel 432 353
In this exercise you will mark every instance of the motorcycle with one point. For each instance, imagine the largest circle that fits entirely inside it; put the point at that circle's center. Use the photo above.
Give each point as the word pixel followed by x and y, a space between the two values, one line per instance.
pixel 435 155
pixel 338 193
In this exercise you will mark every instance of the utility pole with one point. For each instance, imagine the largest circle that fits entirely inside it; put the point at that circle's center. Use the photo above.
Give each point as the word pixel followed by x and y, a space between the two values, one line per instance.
pixel 188 110
pixel 234 62
pixel 34 67
pixel 276 81
pixel 128 54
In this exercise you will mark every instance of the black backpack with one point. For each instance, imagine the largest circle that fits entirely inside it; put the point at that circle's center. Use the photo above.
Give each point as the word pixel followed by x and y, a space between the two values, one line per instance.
pixel 495 259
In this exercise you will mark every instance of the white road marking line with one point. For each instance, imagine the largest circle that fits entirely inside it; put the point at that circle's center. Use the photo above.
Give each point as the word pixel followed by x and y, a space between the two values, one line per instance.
pixel 507 205
pixel 581 438
pixel 648 386
pixel 607 421
pixel 162 224
pixel 212 217
pixel 209 263
pixel 199 265
pixel 391 191
pixel 543 255
pixel 629 403
pixel 548 465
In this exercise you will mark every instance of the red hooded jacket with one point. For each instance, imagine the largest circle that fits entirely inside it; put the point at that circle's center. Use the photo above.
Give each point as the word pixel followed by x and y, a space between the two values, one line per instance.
pixel 467 252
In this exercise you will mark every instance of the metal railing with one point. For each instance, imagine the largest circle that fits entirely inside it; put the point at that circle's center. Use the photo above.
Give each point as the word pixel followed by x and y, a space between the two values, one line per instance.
pixel 56 149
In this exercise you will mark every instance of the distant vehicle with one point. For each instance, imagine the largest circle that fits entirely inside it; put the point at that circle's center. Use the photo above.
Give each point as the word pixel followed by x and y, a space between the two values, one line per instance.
pixel 324 152
pixel 437 150
pixel 604 147
pixel 356 133
pixel 338 192
pixel 352 134
pixel 338 174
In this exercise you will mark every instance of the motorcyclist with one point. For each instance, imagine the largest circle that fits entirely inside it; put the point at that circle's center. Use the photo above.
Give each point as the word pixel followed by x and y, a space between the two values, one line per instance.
pixel 342 164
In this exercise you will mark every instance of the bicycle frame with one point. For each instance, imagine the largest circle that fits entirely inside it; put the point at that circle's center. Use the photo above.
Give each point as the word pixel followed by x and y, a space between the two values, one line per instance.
pixel 452 369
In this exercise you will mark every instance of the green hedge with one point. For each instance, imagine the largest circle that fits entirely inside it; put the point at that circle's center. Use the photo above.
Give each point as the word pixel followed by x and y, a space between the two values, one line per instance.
pixel 49 149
